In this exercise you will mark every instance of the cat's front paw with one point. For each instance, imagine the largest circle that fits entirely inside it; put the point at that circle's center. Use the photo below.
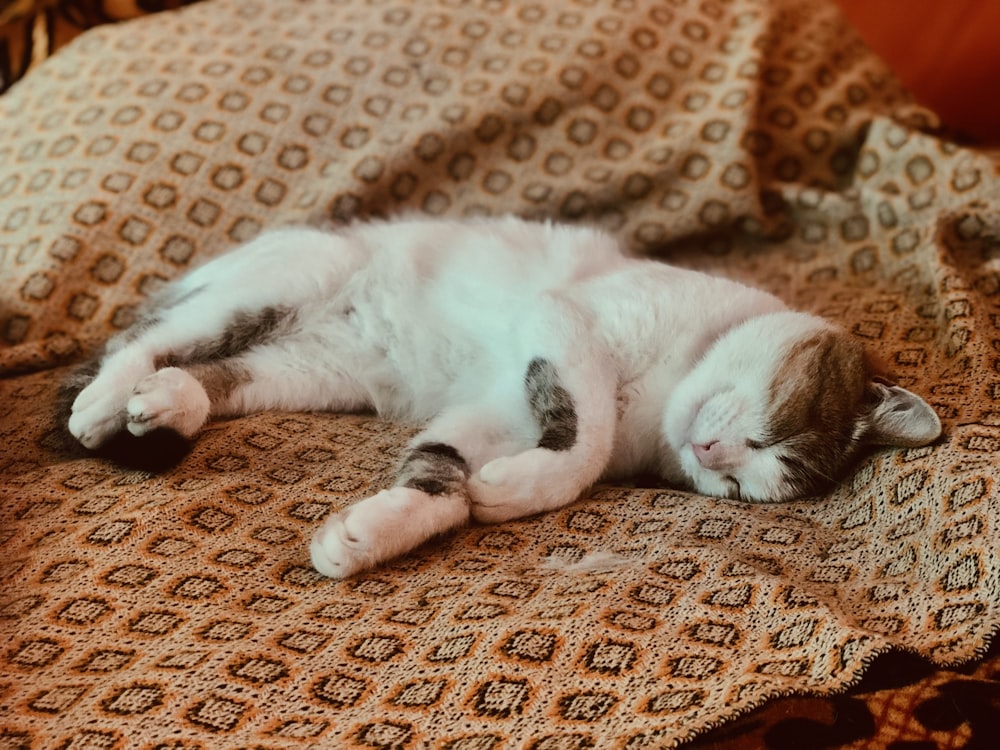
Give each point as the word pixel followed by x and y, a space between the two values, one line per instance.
pixel 524 484
pixel 500 493
pixel 342 547
pixel 169 398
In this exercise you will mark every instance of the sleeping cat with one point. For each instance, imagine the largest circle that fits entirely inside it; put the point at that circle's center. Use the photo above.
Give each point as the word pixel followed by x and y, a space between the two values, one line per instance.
pixel 539 358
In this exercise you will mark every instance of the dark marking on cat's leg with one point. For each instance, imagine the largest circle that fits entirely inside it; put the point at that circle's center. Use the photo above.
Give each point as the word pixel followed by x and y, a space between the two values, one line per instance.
pixel 244 331
pixel 430 498
pixel 434 468
pixel 552 406
pixel 220 379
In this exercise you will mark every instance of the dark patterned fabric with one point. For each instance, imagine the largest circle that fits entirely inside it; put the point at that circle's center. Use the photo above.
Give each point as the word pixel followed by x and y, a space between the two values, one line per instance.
pixel 903 702
pixel 758 140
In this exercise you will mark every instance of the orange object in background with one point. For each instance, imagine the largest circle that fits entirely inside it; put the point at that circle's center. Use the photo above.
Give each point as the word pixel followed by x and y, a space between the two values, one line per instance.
pixel 946 52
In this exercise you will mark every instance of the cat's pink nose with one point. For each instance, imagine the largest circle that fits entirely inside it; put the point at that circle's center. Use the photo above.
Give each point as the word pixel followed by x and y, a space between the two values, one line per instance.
pixel 712 455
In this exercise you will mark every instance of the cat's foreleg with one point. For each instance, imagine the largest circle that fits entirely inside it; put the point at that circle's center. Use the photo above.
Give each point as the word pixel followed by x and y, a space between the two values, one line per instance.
pixel 430 496
pixel 574 406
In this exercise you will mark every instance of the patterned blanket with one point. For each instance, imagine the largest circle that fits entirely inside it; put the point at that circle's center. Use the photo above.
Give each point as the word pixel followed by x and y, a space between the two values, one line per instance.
pixel 760 140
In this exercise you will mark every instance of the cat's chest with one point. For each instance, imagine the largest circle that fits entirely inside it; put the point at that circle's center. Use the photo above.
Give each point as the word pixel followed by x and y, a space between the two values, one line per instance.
pixel 640 401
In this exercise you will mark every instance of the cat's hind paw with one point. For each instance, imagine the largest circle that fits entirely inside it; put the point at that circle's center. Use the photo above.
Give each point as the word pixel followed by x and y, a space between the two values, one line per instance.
pixel 95 422
pixel 98 411
pixel 169 398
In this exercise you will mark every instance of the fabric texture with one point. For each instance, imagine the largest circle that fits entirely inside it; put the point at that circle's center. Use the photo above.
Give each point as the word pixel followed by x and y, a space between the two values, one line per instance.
pixel 761 141
pixel 902 703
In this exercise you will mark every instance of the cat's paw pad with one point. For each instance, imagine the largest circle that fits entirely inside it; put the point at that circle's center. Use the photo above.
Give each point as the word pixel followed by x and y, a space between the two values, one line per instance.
pixel 169 398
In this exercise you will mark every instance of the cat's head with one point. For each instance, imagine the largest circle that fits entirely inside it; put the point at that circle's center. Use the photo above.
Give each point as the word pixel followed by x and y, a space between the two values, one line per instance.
pixel 780 406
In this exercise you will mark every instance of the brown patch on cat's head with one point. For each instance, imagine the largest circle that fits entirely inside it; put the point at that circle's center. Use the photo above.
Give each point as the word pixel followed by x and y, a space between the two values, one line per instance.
pixel 817 397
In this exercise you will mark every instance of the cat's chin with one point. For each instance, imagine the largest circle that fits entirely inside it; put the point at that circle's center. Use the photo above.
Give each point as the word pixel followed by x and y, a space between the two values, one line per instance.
pixel 704 481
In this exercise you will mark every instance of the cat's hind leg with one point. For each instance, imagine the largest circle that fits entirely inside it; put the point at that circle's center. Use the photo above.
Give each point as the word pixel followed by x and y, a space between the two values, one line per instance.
pixel 232 304
pixel 171 398
pixel 268 377
pixel 196 329
pixel 96 396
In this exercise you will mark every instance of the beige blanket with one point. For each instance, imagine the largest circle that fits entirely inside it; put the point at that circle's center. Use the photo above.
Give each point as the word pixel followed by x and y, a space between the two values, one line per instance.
pixel 758 140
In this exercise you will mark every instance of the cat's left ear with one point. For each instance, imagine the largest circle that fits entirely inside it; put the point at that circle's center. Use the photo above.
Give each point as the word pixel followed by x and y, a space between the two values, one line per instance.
pixel 900 418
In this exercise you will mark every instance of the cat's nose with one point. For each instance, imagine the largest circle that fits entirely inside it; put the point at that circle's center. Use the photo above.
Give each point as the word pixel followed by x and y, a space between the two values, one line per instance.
pixel 703 452
pixel 713 455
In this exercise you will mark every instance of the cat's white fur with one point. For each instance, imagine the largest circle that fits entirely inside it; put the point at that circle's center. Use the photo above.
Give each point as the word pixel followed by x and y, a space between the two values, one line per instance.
pixel 436 321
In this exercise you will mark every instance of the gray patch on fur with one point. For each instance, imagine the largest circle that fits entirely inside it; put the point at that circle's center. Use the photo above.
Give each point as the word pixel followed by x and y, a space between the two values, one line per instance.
pixel 244 331
pixel 434 468
pixel 552 406
pixel 220 379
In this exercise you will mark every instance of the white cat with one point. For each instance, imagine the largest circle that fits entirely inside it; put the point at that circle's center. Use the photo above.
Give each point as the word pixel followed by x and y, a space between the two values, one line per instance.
pixel 540 357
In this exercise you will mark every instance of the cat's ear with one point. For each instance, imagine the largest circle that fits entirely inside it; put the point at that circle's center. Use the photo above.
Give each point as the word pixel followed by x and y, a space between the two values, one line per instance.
pixel 900 418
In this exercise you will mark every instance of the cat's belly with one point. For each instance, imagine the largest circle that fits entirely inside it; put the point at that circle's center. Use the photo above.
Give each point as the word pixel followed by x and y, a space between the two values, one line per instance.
pixel 411 367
